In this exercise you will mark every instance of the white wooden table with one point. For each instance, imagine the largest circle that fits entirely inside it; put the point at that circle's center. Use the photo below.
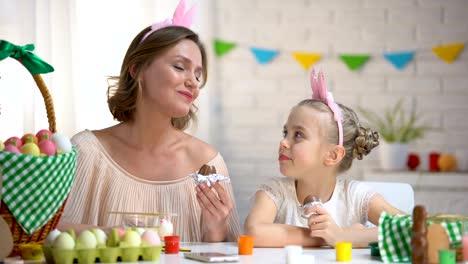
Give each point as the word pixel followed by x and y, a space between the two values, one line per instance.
pixel 260 255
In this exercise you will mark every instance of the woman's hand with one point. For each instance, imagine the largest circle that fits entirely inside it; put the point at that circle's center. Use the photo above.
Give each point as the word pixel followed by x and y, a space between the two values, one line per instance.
pixel 215 209
pixel 322 225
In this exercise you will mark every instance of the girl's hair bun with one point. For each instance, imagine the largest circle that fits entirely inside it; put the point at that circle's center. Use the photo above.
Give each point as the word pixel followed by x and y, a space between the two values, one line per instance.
pixel 366 140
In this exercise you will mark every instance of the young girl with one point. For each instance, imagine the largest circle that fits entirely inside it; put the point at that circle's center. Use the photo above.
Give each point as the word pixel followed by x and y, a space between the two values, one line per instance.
pixel 320 140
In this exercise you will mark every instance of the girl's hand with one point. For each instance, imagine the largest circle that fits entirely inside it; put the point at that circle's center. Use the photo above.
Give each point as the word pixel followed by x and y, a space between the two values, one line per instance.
pixel 215 210
pixel 322 225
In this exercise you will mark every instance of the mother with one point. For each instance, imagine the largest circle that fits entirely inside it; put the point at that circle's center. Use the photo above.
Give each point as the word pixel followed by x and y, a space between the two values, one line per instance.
pixel 142 164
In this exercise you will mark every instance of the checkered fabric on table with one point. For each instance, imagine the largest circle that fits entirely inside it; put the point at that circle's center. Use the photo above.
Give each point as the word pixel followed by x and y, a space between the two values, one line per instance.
pixel 395 236
pixel 34 188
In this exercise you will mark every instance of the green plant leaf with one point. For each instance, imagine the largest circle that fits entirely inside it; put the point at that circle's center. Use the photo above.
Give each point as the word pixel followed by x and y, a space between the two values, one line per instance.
pixel 375 121
pixel 396 125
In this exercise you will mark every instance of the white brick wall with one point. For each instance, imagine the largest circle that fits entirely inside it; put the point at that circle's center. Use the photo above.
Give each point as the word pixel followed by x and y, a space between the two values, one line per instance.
pixel 256 99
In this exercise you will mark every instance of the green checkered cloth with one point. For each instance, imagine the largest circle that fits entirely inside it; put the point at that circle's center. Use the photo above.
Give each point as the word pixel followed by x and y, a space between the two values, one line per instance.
pixel 34 188
pixel 395 236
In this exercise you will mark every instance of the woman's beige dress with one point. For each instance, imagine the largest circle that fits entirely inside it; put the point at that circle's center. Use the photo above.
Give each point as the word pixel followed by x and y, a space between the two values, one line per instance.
pixel 102 186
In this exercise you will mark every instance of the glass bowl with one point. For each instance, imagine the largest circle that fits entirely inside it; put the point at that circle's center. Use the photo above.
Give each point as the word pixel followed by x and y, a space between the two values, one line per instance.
pixel 144 220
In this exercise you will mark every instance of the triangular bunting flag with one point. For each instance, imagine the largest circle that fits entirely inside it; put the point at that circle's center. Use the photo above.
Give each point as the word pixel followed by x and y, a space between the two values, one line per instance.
pixel 399 59
pixel 306 59
pixel 263 56
pixel 449 52
pixel 223 47
pixel 354 62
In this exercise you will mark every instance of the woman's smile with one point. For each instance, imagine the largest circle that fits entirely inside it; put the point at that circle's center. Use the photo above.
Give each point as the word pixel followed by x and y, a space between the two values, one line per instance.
pixel 187 95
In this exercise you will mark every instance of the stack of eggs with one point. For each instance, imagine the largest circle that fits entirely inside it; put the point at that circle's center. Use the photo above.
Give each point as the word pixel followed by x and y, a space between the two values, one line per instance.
pixel 93 245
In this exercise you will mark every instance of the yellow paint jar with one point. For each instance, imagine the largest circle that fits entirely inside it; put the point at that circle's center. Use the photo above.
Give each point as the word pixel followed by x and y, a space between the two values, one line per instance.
pixel 343 251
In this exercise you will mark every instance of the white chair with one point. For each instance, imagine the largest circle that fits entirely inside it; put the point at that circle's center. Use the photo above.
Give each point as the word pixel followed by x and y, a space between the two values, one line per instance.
pixel 399 195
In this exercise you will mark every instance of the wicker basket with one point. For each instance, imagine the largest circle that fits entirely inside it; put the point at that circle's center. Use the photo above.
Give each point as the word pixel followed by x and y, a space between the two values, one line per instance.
pixel 19 235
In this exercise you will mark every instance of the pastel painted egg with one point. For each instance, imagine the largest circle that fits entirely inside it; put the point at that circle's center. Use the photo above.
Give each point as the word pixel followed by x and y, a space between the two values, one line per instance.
pixel 2 145
pixel 62 143
pixel 86 240
pixel 47 147
pixel 100 236
pixel 15 141
pixel 29 138
pixel 12 149
pixel 64 241
pixel 166 228
pixel 151 238
pixel 30 149
pixel 52 236
pixel 131 239
pixel 43 134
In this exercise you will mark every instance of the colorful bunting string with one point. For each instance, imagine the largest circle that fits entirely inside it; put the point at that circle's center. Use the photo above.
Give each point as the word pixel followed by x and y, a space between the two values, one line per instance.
pixel 306 59
pixel 449 52
pixel 399 59
pixel 354 62
pixel 223 47
pixel 264 56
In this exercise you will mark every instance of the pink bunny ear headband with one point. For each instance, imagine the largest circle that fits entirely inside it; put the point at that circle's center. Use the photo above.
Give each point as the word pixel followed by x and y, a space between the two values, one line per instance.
pixel 180 18
pixel 319 92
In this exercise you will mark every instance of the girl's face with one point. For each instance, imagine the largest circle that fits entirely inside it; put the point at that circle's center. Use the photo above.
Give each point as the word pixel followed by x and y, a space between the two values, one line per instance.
pixel 302 148
pixel 172 81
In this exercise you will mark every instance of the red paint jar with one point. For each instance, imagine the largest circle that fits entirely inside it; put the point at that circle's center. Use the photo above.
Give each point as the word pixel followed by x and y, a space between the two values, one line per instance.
pixel 433 159
pixel 171 244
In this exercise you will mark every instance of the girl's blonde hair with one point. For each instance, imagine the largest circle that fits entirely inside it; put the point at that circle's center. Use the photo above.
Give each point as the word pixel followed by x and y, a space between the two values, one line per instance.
pixel 122 93
pixel 357 140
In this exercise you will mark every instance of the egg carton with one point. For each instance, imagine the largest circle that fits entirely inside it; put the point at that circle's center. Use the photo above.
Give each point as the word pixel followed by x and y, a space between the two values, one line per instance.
pixel 101 255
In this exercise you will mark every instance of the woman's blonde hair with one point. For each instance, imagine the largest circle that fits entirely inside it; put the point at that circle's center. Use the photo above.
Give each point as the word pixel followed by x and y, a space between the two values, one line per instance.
pixel 357 140
pixel 122 93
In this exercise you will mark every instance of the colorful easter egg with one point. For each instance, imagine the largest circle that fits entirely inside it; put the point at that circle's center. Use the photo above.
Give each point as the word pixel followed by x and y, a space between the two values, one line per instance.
pixel 30 149
pixel 64 241
pixel 151 238
pixel 29 138
pixel 47 147
pixel 86 240
pixel 12 149
pixel 43 134
pixel 166 228
pixel 52 236
pixel 62 143
pixel 15 141
pixel 131 239
pixel 100 236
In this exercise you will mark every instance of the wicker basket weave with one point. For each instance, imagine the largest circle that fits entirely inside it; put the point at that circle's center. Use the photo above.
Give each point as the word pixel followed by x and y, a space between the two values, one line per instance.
pixel 19 235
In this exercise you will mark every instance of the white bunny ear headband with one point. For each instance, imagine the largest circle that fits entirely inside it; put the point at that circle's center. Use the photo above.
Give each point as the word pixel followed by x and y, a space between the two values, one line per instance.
pixel 180 18
pixel 319 92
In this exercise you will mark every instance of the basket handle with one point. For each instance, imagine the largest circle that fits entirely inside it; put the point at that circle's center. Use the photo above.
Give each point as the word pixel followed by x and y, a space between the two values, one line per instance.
pixel 35 66
pixel 49 104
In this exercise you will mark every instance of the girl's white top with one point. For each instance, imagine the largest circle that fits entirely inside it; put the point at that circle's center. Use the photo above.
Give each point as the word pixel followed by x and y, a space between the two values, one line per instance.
pixel 348 205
